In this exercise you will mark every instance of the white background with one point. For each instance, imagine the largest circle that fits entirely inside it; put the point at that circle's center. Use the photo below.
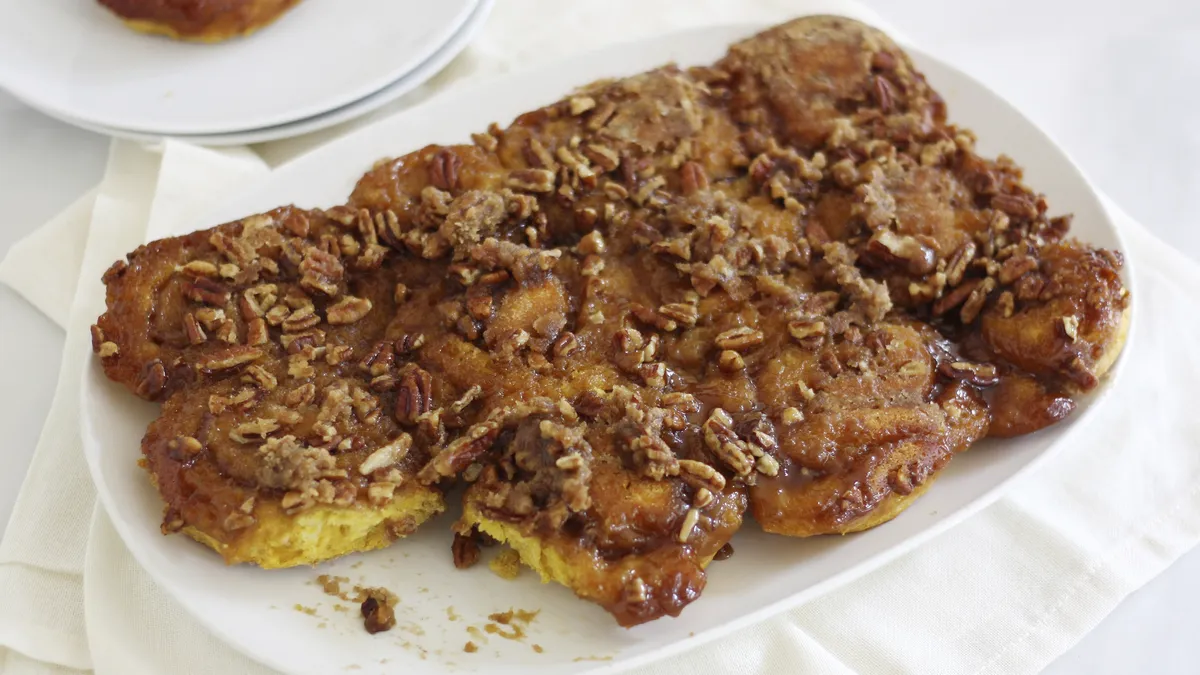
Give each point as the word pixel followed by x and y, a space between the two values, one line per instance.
pixel 1117 83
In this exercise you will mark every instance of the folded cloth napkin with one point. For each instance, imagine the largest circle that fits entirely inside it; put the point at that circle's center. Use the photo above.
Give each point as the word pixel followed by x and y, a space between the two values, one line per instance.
pixel 1006 591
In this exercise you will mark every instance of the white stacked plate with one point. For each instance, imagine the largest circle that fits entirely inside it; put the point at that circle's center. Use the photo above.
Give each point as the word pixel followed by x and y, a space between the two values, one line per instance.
pixel 323 62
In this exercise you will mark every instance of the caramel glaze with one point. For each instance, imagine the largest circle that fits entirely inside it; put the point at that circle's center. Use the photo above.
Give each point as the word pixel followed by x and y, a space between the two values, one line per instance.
pixel 782 283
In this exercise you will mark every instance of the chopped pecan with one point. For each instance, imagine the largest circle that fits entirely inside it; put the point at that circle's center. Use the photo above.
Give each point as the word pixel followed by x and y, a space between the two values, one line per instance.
pixel 565 345
pixel 902 250
pixel 301 320
pixel 1016 267
pixel 1069 325
pixel 730 361
pixel 228 358
pixel 808 331
pixel 153 379
pixel 690 520
pixel 581 104
pixel 978 297
pixel 378 615
pixel 301 396
pixel 200 268
pixel 978 374
pixel 409 343
pixel 257 429
pixel 206 291
pixel 1017 206
pixel 959 260
pixel 956 297
pixel 686 314
pixel 532 180
pixel 261 377
pixel 652 318
pixel 724 443
pixel 386 455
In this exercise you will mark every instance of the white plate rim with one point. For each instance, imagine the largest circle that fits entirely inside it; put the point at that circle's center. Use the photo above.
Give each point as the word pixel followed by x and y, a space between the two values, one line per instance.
pixel 406 84
pixel 348 96
pixel 1070 429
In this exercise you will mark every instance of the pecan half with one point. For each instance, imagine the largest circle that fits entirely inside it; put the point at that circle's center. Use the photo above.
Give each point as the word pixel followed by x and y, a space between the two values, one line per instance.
pixel 347 310
pixel 414 396
pixel 1016 206
pixel 465 551
pixel 231 357
pixel 739 339
pixel 693 178
pixel 206 291
pixel 809 332
pixel 444 169
pixel 885 95
pixel 153 379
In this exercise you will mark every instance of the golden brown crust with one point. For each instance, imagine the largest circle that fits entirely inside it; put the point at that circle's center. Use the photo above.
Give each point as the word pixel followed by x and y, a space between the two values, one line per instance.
pixel 198 20
pixel 782 283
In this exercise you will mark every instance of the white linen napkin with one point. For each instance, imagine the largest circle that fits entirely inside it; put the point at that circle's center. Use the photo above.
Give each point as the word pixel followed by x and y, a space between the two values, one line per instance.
pixel 1004 592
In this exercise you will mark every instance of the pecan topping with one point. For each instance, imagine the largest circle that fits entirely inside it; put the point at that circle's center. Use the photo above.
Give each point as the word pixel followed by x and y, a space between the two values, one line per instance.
pixel 809 332
pixel 724 443
pixel 1016 267
pixel 231 357
pixel 414 397
pixel 200 268
pixel 581 104
pixel 206 291
pixel 321 271
pixel 444 167
pixel 1016 206
pixel 153 379
pixel 974 303
pixel 956 297
pixel 885 95
pixel 378 615
pixel 902 250
pixel 959 260
pixel 1070 327
pixel 532 180
pixel 652 318
pixel 565 345
pixel 465 551
pixel 347 310
pixel 978 374
pixel 739 339
pixel 693 177
pixel 883 61
pixel 730 361
pixel 386 455
pixel 256 430
pixel 685 314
